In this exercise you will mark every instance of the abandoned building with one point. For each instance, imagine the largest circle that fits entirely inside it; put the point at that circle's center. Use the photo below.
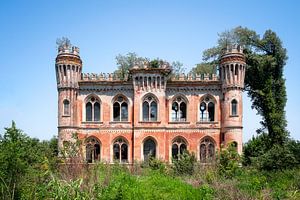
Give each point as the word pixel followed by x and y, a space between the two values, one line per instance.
pixel 149 112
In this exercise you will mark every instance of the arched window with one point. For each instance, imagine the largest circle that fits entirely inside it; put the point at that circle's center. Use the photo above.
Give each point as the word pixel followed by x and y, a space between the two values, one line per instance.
pixel 66 107
pixel 207 110
pixel 120 109
pixel 178 110
pixel 178 147
pixel 234 107
pixel 92 150
pixel 234 144
pixel 92 110
pixel 120 150
pixel 149 149
pixel 149 109
pixel 207 150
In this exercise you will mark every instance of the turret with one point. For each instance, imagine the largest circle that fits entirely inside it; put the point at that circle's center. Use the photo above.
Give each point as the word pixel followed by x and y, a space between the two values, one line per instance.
pixel 68 68
pixel 232 73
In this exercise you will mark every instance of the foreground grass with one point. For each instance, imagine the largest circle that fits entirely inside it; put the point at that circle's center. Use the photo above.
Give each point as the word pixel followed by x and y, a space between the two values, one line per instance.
pixel 117 182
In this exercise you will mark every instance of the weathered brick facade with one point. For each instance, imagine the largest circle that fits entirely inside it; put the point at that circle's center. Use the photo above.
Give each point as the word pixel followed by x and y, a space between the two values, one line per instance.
pixel 115 117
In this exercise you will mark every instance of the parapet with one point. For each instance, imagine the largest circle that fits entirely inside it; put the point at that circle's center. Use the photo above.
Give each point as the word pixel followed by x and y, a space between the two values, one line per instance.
pixel 68 49
pixel 236 48
pixel 195 77
pixel 103 77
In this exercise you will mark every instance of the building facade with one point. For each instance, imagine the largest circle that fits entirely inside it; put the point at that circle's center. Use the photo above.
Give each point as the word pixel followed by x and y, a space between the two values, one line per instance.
pixel 150 112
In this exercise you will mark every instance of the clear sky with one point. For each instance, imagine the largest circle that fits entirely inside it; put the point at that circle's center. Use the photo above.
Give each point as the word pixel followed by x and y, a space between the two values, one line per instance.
pixel 171 30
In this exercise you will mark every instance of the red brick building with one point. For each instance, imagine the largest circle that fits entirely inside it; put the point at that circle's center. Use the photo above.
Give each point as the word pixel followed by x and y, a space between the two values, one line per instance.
pixel 150 113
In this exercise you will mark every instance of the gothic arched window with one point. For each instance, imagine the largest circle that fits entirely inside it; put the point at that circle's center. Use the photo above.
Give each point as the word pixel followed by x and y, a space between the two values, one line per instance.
pixel 207 150
pixel 92 110
pixel 178 110
pixel 92 150
pixel 178 147
pixel 207 110
pixel 120 150
pixel 149 149
pixel 149 109
pixel 120 109
pixel 66 107
pixel 234 107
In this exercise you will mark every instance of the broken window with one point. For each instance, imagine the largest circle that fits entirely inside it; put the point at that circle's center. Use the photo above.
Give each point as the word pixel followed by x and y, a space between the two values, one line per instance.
pixel 149 109
pixel 178 110
pixel 92 150
pixel 120 151
pixel 207 150
pixel 120 109
pixel 149 149
pixel 178 147
pixel 207 110
pixel 92 110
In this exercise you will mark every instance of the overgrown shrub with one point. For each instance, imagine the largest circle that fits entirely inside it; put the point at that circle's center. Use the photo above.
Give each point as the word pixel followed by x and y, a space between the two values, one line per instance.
pixel 229 161
pixel 185 164
pixel 277 158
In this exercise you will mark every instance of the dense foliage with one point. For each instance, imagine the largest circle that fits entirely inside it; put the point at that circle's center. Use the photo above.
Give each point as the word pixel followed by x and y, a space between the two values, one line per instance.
pixel 29 169
pixel 125 62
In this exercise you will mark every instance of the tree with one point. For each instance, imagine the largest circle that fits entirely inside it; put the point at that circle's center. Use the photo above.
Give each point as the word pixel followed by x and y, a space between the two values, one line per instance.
pixel 125 62
pixel 63 42
pixel 22 163
pixel 264 82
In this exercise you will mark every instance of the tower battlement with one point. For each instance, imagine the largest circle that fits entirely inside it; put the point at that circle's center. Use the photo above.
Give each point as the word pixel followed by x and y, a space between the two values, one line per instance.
pixel 236 48
pixel 68 49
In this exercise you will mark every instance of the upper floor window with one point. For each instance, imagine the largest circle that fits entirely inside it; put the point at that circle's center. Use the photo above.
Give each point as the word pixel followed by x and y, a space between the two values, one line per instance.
pixel 178 110
pixel 234 107
pixel 149 109
pixel 207 110
pixel 66 107
pixel 120 109
pixel 92 110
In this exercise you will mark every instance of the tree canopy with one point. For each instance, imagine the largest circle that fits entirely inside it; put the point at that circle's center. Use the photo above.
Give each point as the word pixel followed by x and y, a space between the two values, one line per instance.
pixel 264 81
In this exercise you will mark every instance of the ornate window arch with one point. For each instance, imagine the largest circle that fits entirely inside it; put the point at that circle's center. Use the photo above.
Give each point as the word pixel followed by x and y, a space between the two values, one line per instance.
pixel 179 109
pixel 179 145
pixel 149 148
pixel 207 109
pixel 66 107
pixel 120 108
pixel 207 150
pixel 120 150
pixel 150 108
pixel 92 109
pixel 234 107
pixel 92 150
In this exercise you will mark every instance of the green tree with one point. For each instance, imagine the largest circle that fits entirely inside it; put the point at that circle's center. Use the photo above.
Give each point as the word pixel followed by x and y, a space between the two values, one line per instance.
pixel 22 163
pixel 126 62
pixel 264 82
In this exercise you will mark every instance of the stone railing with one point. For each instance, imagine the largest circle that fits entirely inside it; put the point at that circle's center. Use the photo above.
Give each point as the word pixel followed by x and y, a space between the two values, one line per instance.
pixel 102 77
pixel 197 77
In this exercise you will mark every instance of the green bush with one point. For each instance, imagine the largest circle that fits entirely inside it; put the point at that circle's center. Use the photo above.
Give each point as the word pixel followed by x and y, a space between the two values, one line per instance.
pixel 185 164
pixel 229 161
pixel 277 158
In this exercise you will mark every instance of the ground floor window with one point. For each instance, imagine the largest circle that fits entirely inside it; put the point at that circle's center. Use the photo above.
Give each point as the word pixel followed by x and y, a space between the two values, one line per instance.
pixel 178 147
pixel 92 150
pixel 149 149
pixel 207 150
pixel 120 150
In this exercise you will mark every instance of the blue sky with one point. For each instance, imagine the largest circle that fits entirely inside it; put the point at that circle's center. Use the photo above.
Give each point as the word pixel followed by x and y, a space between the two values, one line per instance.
pixel 172 30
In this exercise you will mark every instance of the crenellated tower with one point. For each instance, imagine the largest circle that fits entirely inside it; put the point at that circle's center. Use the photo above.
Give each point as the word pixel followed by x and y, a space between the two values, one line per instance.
pixel 68 68
pixel 232 74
